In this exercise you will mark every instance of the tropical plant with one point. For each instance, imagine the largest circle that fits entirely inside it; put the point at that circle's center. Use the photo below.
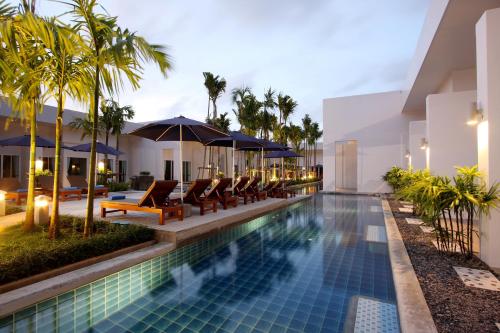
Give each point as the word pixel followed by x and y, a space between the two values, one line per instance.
pixel 113 119
pixel 115 55
pixel 66 74
pixel 306 125
pixel 286 106
pixel 450 206
pixel 22 66
pixel 295 135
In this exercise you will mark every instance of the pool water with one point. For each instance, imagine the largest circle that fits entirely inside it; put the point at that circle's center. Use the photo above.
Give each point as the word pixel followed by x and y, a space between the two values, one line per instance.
pixel 321 265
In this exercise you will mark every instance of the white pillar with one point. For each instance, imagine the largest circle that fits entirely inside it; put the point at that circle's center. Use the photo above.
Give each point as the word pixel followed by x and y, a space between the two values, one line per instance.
pixel 488 87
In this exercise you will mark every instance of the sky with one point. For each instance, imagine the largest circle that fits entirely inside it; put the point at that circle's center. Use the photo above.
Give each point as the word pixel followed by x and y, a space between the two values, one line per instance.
pixel 308 49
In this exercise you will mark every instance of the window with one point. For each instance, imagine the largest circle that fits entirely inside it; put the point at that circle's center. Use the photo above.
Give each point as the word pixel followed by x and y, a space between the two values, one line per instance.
pixel 77 166
pixel 109 164
pixel 186 171
pixel 10 166
pixel 169 170
pixel 48 163
pixel 122 171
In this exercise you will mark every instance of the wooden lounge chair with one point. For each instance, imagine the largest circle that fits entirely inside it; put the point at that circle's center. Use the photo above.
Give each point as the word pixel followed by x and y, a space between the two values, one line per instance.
pixel 194 196
pixel 241 191
pixel 65 193
pixel 280 191
pixel 81 183
pixel 269 188
pixel 253 188
pixel 13 188
pixel 219 192
pixel 155 200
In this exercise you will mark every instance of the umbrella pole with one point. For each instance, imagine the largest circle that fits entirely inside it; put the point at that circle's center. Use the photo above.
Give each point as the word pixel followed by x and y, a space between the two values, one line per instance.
pixel 262 166
pixel 234 171
pixel 181 166
pixel 283 171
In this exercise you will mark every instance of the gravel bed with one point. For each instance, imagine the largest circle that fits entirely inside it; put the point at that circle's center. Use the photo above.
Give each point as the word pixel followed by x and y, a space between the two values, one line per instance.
pixel 455 308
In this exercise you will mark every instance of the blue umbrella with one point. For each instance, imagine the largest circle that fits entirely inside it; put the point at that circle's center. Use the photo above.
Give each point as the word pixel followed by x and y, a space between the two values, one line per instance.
pixel 100 149
pixel 25 141
pixel 237 140
pixel 282 154
pixel 179 129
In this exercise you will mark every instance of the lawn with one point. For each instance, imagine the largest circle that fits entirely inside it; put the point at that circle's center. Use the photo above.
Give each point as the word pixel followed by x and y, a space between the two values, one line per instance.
pixel 26 254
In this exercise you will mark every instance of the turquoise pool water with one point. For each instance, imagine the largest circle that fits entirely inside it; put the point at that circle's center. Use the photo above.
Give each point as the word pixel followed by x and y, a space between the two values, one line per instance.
pixel 318 266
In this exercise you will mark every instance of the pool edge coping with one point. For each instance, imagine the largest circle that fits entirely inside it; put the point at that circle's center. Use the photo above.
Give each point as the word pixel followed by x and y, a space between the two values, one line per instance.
pixel 23 297
pixel 414 313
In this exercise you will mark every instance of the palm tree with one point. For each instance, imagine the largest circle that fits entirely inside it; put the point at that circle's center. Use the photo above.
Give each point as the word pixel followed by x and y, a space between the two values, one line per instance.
pixel 22 63
pixel 295 134
pixel 306 125
pixel 66 75
pixel 315 134
pixel 239 96
pixel 85 125
pixel 121 116
pixel 286 106
pixel 215 87
pixel 115 54
pixel 223 123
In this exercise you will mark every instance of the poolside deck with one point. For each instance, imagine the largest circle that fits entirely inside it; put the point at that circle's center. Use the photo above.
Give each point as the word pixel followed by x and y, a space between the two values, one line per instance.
pixel 175 231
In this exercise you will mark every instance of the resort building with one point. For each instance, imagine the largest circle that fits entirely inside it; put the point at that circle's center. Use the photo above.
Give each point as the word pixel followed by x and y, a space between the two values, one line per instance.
pixel 159 159
pixel 447 115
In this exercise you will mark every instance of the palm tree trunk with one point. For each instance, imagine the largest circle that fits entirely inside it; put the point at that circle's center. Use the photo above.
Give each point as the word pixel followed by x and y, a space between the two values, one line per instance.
pixel 54 218
pixel 89 218
pixel 29 223
pixel 117 160
pixel 205 148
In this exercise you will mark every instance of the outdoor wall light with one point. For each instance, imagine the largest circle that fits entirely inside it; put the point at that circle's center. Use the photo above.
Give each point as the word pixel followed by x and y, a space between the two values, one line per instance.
pixel 100 167
pixel 41 209
pixel 407 155
pixel 38 165
pixel 424 144
pixel 476 115
pixel 2 202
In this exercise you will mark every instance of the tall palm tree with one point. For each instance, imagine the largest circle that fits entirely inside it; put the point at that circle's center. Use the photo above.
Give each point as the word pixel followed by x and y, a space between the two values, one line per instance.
pixel 66 75
pixel 22 65
pixel 295 134
pixel 286 106
pixel 306 125
pixel 239 97
pixel 85 125
pixel 315 134
pixel 122 114
pixel 116 55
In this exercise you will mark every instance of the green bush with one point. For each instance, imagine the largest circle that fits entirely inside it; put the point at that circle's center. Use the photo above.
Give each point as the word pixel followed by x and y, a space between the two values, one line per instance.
pixel 301 181
pixel 117 187
pixel 12 209
pixel 25 254
pixel 450 206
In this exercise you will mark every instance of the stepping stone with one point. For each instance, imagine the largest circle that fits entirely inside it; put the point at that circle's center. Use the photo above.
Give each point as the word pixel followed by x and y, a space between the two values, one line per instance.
pixel 375 233
pixel 427 229
pixel 372 315
pixel 406 203
pixel 478 278
pixel 406 210
pixel 375 209
pixel 408 206
pixel 414 221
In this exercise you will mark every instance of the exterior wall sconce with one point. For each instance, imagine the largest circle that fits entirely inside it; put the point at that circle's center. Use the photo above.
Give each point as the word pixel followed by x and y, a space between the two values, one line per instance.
pixel 476 115
pixel 100 167
pixel 407 155
pixel 2 202
pixel 41 209
pixel 39 165
pixel 424 144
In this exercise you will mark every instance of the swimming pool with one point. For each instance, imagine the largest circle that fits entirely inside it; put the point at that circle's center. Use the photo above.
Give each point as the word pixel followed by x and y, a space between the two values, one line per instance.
pixel 321 265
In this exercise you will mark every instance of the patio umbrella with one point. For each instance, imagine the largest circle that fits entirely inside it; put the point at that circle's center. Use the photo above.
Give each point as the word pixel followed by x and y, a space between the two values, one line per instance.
pixel 266 146
pixel 282 154
pixel 100 149
pixel 236 140
pixel 179 129
pixel 24 141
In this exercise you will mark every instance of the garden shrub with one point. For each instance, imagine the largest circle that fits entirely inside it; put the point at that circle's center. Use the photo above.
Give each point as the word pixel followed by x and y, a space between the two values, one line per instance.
pixel 25 254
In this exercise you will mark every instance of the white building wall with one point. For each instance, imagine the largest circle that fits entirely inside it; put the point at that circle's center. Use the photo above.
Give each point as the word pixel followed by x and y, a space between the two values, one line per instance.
pixel 375 121
pixel 418 131
pixel 488 97
pixel 452 143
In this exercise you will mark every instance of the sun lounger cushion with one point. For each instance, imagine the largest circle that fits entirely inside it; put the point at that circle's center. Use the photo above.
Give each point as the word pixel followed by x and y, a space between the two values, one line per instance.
pixel 99 186
pixel 21 190
pixel 118 197
pixel 70 188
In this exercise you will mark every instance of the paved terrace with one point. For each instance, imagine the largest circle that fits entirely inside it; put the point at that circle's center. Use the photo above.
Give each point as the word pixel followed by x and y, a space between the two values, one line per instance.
pixel 174 231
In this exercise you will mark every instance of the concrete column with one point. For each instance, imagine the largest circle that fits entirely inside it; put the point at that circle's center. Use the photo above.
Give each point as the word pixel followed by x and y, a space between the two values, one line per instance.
pixel 452 143
pixel 488 87
pixel 417 132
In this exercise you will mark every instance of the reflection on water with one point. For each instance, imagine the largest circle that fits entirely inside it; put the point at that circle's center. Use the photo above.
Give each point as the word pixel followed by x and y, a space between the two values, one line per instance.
pixel 297 269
